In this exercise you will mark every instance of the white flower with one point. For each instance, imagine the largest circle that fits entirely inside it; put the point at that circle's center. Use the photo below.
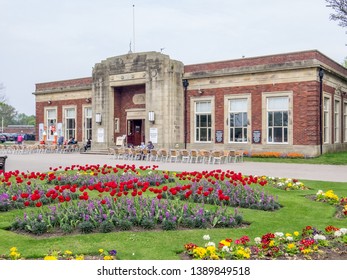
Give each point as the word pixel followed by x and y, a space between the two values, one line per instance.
pixel 212 244
pixel 279 234
pixel 225 249
pixel 206 237
pixel 343 230
pixel 257 240
pixel 320 192
pixel 319 237
pixel 338 233
pixel 289 238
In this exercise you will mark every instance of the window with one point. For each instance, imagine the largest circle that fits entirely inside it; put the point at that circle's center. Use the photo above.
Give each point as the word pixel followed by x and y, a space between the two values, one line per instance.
pixel 70 123
pixel 238 120
pixel 88 123
pixel 51 123
pixel 326 120
pixel 203 122
pixel 345 121
pixel 337 121
pixel 116 125
pixel 277 119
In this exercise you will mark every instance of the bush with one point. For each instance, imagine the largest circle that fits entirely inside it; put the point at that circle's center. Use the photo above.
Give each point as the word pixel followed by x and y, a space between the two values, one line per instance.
pixel 125 225
pixel 86 227
pixel 147 223
pixel 106 226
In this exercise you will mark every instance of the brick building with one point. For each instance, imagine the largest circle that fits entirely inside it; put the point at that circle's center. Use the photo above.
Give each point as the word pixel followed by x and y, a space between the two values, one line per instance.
pixel 292 102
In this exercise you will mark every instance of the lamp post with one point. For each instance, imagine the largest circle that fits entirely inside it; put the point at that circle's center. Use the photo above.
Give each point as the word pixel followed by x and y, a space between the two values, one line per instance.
pixel 185 86
pixel 321 75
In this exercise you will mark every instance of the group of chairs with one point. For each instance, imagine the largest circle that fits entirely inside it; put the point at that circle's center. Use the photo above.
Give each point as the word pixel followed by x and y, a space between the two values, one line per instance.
pixel 39 148
pixel 177 155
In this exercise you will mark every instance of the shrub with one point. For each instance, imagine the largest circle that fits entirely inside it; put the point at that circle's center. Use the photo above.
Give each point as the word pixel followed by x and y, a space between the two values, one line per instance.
pixel 86 227
pixel 106 226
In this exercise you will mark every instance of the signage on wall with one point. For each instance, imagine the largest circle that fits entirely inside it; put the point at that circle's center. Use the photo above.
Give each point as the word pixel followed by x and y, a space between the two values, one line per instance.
pixel 101 135
pixel 256 136
pixel 219 136
pixel 153 135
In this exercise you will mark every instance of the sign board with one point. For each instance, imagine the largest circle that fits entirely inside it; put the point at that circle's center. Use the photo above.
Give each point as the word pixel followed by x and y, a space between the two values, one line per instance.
pixel 41 130
pixel 219 136
pixel 256 136
pixel 153 135
pixel 120 141
pixel 101 135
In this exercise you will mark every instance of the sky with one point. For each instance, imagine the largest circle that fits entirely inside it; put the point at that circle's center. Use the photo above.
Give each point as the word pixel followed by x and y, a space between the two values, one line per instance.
pixel 52 40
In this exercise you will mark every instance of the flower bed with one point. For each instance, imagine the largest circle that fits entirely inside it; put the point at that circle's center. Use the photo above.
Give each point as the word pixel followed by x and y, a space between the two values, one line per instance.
pixel 107 215
pixel 311 243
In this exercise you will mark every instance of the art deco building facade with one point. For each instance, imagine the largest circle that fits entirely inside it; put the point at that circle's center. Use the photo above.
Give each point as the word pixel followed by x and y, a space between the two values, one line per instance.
pixel 292 102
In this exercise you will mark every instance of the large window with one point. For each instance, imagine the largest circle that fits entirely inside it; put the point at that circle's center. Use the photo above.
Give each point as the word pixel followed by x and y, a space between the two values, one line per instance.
pixel 70 123
pixel 51 124
pixel 337 120
pixel 87 123
pixel 203 122
pixel 277 119
pixel 326 120
pixel 238 120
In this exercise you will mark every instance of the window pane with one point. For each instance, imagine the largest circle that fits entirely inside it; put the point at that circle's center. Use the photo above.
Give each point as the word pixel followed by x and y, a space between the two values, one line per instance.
pixel 278 119
pixel 278 137
pixel 203 107
pixel 270 118
pixel 245 119
pixel 278 103
pixel 285 118
pixel 203 120
pixel 203 134
pixel 238 119
pixel 232 122
pixel 238 105
pixel 270 135
pixel 51 114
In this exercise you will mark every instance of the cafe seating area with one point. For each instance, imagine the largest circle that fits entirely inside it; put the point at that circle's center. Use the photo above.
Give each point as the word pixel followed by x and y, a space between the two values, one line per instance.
pixel 177 155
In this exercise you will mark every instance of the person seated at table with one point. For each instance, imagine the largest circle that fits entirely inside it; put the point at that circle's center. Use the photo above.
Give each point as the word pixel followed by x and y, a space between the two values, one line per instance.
pixel 150 145
pixel 88 145
pixel 72 141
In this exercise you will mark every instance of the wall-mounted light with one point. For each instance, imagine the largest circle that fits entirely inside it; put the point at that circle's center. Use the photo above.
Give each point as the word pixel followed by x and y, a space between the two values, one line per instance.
pixel 49 102
pixel 88 100
pixel 151 116
pixel 98 118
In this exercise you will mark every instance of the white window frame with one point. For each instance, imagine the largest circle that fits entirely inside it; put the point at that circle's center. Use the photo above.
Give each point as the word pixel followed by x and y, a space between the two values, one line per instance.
pixel 51 122
pixel 87 120
pixel 337 120
pixel 67 130
pixel 326 119
pixel 285 128
pixel 210 113
pixel 244 119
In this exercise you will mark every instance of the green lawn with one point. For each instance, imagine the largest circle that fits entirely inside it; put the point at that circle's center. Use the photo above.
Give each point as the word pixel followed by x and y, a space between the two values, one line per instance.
pixel 297 212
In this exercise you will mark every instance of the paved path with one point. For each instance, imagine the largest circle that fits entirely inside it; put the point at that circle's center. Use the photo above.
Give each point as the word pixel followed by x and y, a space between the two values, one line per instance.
pixel 42 162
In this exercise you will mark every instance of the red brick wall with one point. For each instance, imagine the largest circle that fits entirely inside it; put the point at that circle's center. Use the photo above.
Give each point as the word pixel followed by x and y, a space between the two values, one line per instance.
pixel 64 84
pixel 40 110
pixel 123 101
pixel 305 111
pixel 265 60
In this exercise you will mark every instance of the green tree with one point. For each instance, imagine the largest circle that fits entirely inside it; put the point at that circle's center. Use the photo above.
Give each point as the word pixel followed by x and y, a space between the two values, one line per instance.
pixel 7 114
pixel 24 119
pixel 340 11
